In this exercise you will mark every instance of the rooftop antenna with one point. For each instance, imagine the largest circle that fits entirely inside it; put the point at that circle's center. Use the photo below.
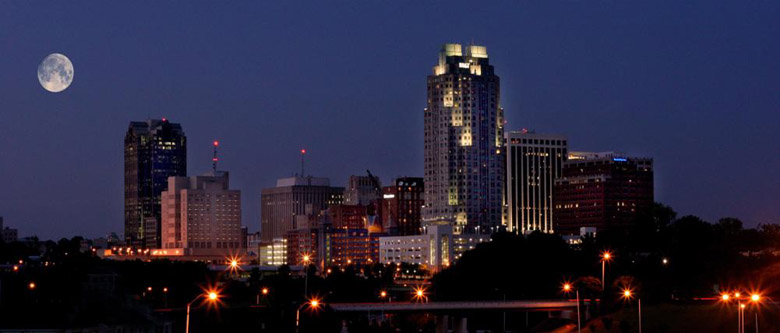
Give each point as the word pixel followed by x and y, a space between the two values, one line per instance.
pixel 303 154
pixel 214 160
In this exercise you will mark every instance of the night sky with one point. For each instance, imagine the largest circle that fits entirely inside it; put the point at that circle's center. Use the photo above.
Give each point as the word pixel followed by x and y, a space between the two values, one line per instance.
pixel 693 84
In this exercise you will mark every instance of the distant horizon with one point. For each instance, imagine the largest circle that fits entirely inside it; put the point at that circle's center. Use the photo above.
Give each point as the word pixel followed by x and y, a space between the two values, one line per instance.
pixel 692 85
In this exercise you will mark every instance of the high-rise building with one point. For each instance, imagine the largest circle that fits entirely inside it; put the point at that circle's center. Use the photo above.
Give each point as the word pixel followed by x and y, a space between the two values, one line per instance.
pixel 403 201
pixel 534 162
pixel 295 196
pixel 464 125
pixel 202 216
pixel 154 150
pixel 605 191
pixel 361 190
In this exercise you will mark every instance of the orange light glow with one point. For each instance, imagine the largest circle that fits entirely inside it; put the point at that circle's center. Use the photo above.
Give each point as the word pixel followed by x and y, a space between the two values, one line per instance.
pixel 755 297
pixel 148 288
pixel 383 294
pixel 736 295
pixel 606 255
pixel 165 290
pixel 627 293
pixel 31 285
pixel 213 296
pixel 742 306
pixel 265 291
pixel 314 303
pixel 566 287
pixel 724 297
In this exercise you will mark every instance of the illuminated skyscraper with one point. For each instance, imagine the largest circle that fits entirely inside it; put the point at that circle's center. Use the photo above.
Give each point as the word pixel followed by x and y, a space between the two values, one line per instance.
pixel 464 154
pixel 154 150
pixel 534 163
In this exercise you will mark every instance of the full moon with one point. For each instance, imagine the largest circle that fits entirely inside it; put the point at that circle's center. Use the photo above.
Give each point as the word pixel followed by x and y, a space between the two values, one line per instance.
pixel 55 73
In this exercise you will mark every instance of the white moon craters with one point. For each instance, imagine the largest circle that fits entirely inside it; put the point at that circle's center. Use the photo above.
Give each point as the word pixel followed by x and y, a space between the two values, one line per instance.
pixel 55 73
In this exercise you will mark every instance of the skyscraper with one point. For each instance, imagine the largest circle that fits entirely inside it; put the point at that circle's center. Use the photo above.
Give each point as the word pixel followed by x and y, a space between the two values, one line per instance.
pixel 154 150
pixel 202 215
pixel 534 162
pixel 464 125
pixel 291 199
pixel 605 191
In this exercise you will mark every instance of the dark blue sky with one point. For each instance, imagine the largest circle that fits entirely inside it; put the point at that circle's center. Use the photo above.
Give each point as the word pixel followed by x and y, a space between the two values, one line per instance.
pixel 694 84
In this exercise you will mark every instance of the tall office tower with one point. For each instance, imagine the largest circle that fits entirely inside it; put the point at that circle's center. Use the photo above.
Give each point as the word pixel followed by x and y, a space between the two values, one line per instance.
pixel 360 191
pixel 154 150
pixel 534 162
pixel 202 216
pixel 295 196
pixel 464 125
pixel 403 202
pixel 605 191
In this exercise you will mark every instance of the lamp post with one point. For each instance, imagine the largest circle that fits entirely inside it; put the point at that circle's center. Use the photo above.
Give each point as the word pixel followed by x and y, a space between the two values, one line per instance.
pixel 211 297
pixel 755 298
pixel 627 294
pixel 606 256
pixel 312 303
pixel 567 288
pixel 264 292
pixel 306 261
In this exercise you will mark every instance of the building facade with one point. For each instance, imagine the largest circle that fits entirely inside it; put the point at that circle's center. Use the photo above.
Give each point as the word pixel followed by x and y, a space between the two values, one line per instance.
pixel 402 206
pixel 8 234
pixel 534 163
pixel 361 190
pixel 293 197
pixel 202 216
pixel 154 150
pixel 437 248
pixel 605 191
pixel 463 149
pixel 273 253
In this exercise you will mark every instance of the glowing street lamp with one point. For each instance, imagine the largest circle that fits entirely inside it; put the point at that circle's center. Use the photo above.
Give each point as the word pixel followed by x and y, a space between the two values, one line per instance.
pixel 566 289
pixel 628 294
pixel 210 296
pixel 755 298
pixel 419 294
pixel 306 261
pixel 313 304
pixel 264 292
pixel 606 256
pixel 31 286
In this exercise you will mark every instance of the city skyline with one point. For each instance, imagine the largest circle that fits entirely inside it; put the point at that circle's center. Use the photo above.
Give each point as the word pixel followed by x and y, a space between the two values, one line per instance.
pixel 676 106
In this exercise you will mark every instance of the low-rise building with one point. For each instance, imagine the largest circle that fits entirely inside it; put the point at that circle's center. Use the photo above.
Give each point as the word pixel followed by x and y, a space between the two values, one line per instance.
pixel 438 247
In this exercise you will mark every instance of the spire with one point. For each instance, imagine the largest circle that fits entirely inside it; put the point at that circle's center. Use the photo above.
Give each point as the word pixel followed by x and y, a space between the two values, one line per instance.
pixel 214 160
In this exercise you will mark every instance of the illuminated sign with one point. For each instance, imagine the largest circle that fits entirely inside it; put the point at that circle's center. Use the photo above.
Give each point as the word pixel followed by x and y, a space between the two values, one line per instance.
pixel 619 159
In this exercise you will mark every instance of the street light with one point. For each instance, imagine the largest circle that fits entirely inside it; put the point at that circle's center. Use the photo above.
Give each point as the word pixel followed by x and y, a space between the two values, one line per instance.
pixel 264 292
pixel 566 289
pixel 419 294
pixel 606 256
pixel 210 296
pixel 628 294
pixel 306 261
pixel 31 286
pixel 755 298
pixel 313 304
pixel 165 295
